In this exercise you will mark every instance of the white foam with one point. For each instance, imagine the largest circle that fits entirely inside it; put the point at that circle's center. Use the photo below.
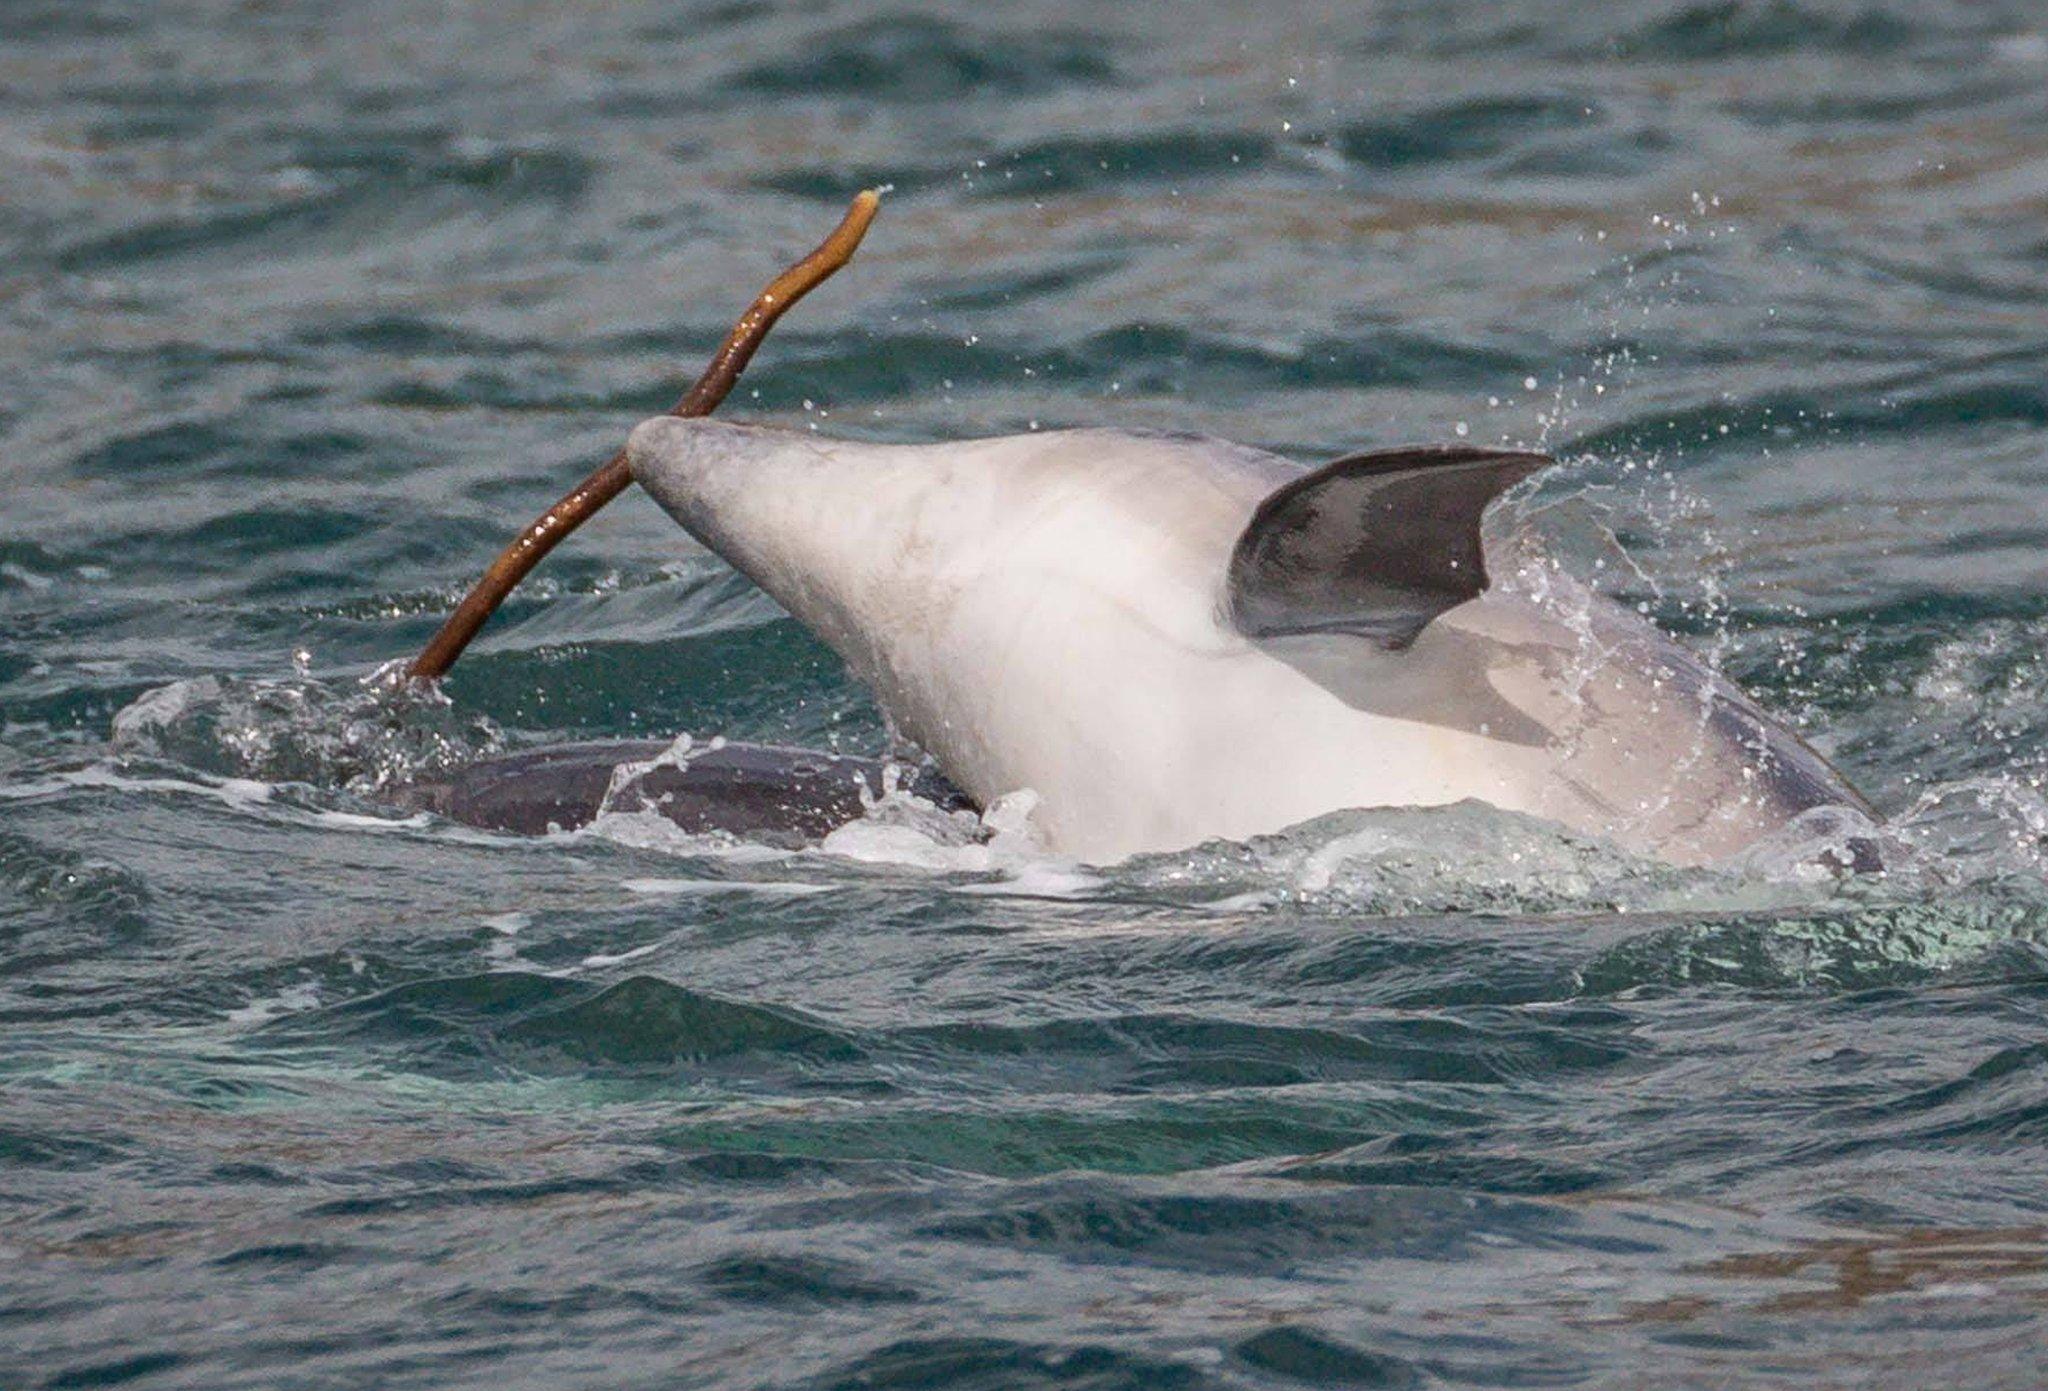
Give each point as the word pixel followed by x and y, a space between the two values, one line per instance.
pixel 235 792
pixel 293 999
pixel 1048 878
pixel 25 576
pixel 376 825
pixel 620 958
pixel 904 846
pixel 159 709
pixel 902 831
pixel 687 888
pixel 650 830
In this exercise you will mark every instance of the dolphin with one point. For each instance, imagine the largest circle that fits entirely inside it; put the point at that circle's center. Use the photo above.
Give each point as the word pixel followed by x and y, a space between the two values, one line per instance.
pixel 1168 639
pixel 762 792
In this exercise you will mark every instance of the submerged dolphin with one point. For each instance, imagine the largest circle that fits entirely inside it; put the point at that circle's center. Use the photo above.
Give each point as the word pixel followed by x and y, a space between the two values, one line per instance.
pixel 782 796
pixel 1170 639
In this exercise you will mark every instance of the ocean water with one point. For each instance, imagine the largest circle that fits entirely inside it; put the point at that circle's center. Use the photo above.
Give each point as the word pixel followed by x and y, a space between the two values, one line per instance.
pixel 303 308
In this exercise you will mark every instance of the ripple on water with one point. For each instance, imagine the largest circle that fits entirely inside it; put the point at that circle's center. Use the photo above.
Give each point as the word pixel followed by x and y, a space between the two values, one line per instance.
pixel 395 192
pixel 917 58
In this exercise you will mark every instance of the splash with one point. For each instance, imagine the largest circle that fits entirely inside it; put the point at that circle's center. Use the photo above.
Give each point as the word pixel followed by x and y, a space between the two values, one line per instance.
pixel 627 777
pixel 902 830
pixel 1463 858
pixel 897 832
pixel 1979 829
pixel 360 736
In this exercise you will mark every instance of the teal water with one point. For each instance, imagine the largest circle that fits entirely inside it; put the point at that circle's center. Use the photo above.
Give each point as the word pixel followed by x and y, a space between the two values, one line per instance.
pixel 303 308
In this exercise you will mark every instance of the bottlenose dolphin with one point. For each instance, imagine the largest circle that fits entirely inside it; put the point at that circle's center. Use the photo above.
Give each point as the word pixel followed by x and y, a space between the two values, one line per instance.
pixel 1162 638
pixel 1169 639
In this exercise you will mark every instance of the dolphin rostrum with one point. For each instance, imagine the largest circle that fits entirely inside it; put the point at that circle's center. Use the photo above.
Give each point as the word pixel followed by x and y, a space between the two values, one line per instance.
pixel 1170 639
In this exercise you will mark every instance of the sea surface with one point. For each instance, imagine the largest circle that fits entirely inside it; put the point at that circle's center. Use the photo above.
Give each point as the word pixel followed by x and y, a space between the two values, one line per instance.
pixel 305 307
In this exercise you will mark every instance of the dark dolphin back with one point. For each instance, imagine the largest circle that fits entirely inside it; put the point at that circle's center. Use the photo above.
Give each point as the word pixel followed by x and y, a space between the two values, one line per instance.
pixel 755 791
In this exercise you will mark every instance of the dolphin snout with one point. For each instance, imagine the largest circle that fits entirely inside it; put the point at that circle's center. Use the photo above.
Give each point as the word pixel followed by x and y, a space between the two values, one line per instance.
pixel 672 452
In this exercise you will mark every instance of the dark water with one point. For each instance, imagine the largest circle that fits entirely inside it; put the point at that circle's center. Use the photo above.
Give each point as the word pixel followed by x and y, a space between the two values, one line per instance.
pixel 303 307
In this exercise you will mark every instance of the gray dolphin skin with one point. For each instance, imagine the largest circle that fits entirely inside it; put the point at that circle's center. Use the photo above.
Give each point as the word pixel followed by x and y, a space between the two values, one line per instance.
pixel 1169 639
pixel 763 792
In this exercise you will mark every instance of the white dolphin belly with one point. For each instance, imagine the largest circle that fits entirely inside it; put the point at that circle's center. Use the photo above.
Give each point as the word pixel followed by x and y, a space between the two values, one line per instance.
pixel 1055 612
pixel 1137 739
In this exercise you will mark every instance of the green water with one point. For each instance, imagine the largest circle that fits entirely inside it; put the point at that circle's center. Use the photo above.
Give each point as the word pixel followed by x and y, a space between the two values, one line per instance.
pixel 304 308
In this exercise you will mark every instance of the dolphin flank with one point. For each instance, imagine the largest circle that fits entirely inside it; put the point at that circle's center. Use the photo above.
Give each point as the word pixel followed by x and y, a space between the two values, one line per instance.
pixel 1171 639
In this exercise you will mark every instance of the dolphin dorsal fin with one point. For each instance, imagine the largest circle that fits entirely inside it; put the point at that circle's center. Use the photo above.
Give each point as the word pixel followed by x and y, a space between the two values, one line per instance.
pixel 1374 544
